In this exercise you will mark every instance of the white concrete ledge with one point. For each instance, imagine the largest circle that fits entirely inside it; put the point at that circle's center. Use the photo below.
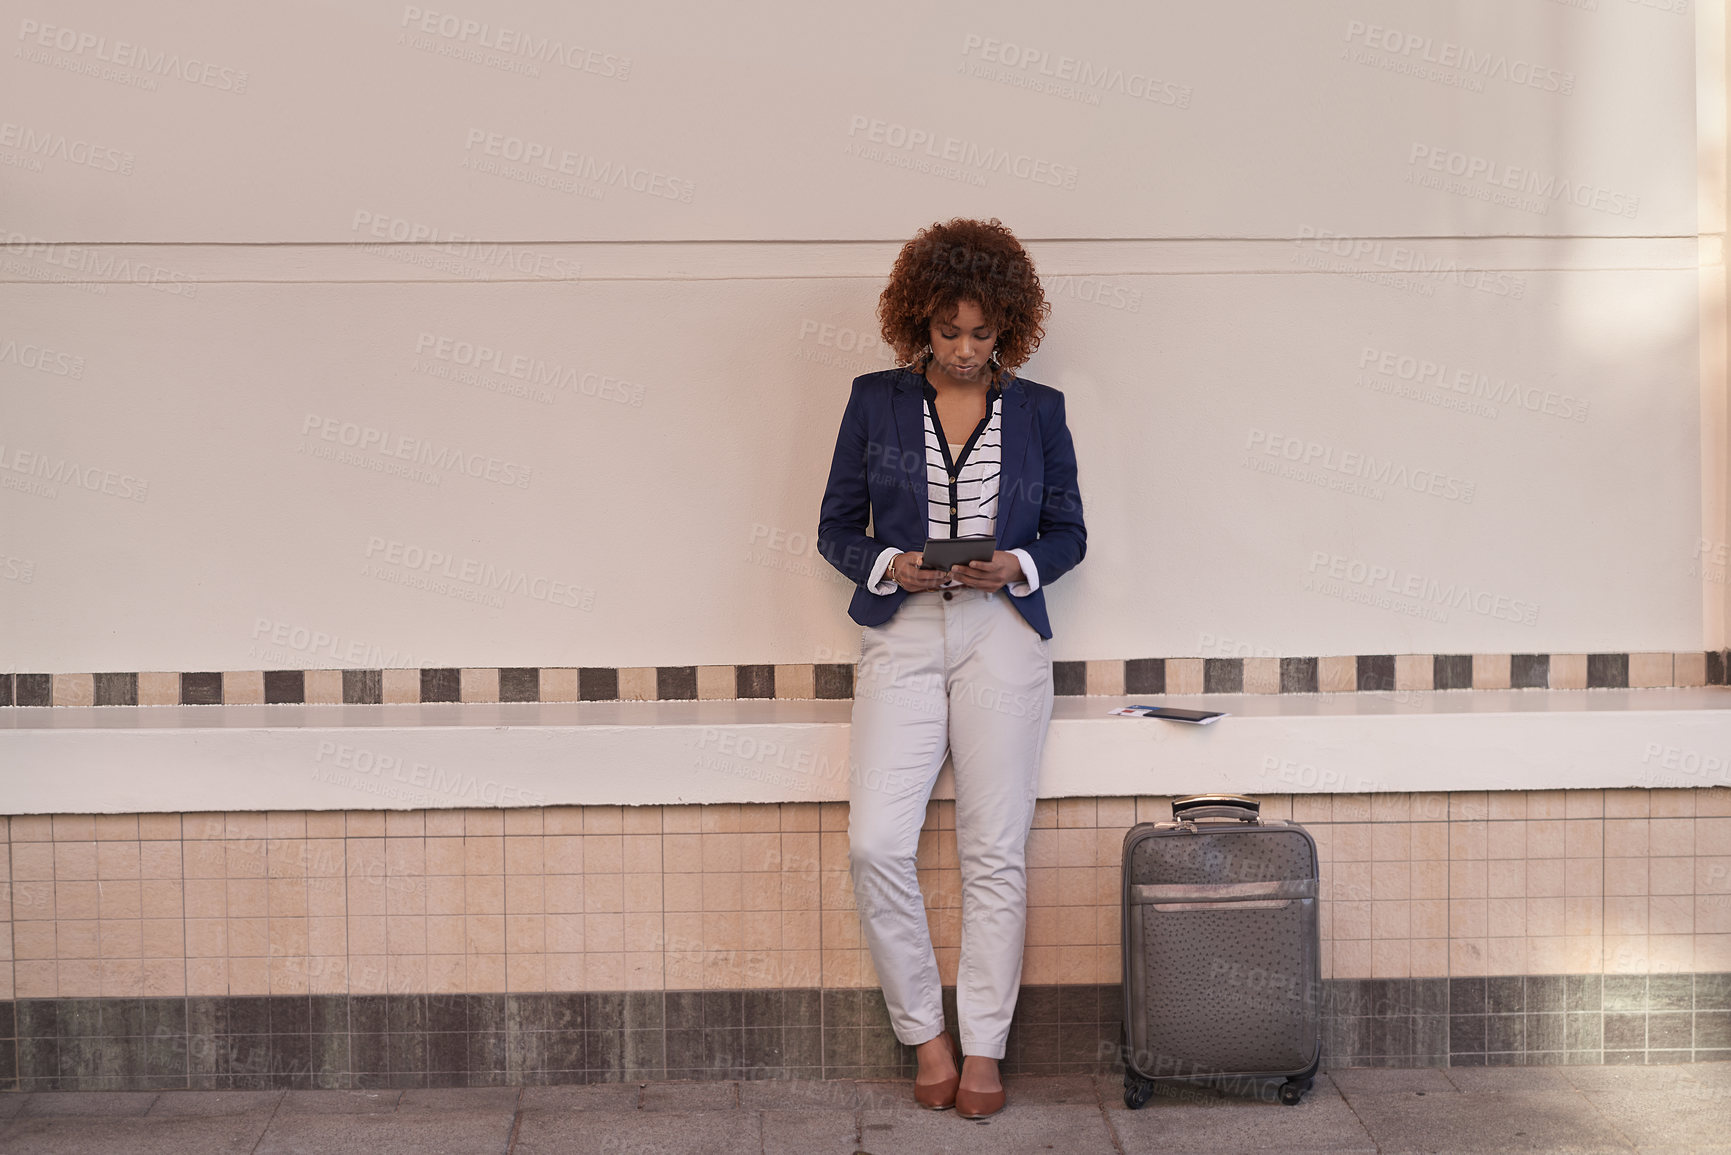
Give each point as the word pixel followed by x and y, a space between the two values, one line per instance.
pixel 116 759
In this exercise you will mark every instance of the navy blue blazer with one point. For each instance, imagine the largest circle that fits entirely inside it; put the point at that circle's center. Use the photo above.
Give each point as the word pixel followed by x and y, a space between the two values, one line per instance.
pixel 879 472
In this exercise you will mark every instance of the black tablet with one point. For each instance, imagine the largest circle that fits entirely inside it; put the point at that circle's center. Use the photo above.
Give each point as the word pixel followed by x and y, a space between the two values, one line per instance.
pixel 944 552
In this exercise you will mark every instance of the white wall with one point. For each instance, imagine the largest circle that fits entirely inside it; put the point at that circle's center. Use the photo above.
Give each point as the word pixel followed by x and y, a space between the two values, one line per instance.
pixel 1228 271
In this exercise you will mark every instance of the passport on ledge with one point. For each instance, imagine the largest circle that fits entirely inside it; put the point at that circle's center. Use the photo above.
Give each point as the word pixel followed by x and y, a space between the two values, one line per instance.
pixel 1171 713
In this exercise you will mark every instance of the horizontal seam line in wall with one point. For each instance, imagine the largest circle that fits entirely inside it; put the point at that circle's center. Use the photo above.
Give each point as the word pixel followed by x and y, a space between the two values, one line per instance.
pixel 1171 272
pixel 1193 239
pixel 666 279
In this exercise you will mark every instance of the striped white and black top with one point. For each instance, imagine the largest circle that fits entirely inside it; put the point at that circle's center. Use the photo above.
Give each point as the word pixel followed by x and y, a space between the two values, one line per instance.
pixel 962 486
pixel 961 490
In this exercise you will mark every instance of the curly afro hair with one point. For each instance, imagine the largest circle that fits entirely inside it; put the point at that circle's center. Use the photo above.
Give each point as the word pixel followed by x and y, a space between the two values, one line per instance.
pixel 964 260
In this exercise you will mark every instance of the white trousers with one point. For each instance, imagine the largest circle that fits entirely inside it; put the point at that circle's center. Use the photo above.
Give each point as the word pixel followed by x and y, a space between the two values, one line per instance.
pixel 966 673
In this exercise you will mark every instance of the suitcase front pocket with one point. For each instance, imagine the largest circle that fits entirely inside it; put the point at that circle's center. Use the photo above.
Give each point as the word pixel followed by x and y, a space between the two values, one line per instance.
pixel 1223 976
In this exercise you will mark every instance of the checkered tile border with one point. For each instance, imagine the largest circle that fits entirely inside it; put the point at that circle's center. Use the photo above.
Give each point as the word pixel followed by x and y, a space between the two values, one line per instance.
pixel 1362 673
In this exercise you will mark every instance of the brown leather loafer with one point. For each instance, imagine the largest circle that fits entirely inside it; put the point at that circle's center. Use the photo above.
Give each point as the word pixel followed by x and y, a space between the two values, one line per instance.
pixel 978 1104
pixel 941 1096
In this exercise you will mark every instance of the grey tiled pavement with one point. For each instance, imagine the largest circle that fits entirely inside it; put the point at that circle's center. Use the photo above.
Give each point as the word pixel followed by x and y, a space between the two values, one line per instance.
pixel 1576 1109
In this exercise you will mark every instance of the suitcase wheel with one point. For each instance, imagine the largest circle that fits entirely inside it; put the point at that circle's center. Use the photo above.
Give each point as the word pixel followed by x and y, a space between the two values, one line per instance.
pixel 1293 1090
pixel 1137 1090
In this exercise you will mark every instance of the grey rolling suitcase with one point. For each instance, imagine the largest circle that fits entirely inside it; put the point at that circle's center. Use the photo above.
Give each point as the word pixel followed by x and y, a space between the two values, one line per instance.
pixel 1222 966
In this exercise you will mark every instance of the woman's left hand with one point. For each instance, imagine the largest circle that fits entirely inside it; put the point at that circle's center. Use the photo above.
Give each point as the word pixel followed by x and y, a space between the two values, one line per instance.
pixel 991 576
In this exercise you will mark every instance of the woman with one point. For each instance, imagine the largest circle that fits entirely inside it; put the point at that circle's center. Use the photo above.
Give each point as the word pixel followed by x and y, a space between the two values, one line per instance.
pixel 952 444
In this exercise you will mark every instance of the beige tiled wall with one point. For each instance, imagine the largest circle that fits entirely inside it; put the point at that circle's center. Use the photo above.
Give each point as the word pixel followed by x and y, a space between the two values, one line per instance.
pixel 730 896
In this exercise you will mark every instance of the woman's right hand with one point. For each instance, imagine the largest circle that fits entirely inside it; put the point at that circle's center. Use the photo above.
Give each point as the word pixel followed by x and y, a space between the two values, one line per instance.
pixel 904 568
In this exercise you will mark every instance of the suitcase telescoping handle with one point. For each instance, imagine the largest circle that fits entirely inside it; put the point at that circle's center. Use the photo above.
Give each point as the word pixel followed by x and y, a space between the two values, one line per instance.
pixel 1233 806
